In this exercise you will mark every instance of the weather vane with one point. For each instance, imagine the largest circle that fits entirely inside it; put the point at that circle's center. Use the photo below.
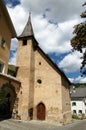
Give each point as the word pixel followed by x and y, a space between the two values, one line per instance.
pixel 30 12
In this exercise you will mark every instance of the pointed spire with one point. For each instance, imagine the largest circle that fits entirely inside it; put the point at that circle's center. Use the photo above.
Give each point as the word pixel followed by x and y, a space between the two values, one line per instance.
pixel 28 30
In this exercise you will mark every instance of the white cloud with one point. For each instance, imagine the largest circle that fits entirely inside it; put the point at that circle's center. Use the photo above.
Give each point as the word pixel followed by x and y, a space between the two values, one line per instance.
pixel 71 63
pixel 71 80
pixel 14 44
pixel 12 59
pixel 51 37
pixel 59 10
pixel 19 17
pixel 79 79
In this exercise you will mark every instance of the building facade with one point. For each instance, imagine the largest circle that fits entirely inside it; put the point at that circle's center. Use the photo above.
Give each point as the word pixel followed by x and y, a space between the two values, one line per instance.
pixel 9 86
pixel 7 32
pixel 40 90
pixel 78 100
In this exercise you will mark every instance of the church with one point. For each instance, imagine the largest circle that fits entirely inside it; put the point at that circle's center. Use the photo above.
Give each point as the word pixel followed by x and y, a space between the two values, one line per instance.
pixel 39 90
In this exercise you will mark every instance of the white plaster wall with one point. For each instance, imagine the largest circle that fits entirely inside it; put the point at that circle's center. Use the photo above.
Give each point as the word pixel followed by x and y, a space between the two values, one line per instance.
pixel 79 106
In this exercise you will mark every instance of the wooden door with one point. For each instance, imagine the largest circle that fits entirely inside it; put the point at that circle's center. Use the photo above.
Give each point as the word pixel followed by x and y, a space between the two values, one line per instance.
pixel 41 111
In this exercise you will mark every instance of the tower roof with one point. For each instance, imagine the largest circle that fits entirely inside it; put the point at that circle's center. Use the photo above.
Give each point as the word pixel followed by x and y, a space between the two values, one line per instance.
pixel 28 30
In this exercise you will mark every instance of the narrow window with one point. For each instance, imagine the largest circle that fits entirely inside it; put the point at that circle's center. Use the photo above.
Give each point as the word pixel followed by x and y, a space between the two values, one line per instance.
pixel 1 67
pixel 2 42
pixel 74 111
pixel 39 63
pixel 24 42
pixel 31 113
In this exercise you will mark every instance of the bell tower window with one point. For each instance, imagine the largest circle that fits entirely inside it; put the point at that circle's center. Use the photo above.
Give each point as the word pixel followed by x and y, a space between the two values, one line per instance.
pixel 24 42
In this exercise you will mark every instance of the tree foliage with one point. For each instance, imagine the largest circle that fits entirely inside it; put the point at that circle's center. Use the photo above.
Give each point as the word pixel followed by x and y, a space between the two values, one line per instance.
pixel 78 42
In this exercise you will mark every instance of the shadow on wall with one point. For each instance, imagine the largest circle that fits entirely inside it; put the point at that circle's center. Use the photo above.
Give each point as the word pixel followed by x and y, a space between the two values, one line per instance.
pixel 7 100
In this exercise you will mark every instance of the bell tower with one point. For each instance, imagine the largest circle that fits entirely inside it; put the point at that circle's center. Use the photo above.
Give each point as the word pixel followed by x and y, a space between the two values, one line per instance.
pixel 26 63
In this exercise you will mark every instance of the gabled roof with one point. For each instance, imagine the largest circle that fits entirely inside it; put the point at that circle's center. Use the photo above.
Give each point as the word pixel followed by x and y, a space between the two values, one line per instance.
pixel 78 92
pixel 28 30
pixel 8 19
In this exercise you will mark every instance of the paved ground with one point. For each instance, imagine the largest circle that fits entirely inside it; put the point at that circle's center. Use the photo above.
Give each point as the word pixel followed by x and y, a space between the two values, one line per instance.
pixel 37 125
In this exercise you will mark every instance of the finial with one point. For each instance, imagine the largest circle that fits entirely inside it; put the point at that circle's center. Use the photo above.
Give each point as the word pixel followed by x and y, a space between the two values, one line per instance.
pixel 29 13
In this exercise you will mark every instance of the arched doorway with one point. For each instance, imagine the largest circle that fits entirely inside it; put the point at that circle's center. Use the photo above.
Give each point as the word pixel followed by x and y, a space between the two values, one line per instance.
pixel 4 104
pixel 7 100
pixel 41 111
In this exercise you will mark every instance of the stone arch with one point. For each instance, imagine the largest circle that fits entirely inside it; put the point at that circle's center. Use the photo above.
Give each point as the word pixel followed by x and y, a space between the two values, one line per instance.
pixel 7 100
pixel 41 111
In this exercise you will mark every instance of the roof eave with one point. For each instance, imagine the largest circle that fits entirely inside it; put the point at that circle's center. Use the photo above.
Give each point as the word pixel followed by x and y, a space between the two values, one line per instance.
pixel 10 78
pixel 8 19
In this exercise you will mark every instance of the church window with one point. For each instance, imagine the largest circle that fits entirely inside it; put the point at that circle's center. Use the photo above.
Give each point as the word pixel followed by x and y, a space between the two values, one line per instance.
pixel 39 81
pixel 24 42
pixel 31 113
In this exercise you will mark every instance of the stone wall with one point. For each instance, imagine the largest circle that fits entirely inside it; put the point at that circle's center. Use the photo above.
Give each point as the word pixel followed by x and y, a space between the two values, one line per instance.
pixel 25 62
pixel 41 83
pixel 6 35
pixel 49 90
pixel 66 107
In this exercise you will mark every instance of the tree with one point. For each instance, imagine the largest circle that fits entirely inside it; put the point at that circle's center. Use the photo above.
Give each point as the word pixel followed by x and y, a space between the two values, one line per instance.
pixel 78 42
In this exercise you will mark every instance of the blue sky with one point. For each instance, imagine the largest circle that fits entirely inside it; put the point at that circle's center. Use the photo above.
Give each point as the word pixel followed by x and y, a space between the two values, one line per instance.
pixel 53 23
pixel 12 3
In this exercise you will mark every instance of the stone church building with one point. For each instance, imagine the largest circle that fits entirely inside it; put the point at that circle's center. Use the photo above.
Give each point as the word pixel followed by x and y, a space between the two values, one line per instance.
pixel 40 90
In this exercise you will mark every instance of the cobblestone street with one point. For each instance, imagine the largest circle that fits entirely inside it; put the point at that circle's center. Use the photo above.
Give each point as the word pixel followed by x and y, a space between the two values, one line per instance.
pixel 38 125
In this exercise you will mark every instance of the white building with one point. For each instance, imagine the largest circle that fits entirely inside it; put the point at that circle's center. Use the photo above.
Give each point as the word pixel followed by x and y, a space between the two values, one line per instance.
pixel 78 101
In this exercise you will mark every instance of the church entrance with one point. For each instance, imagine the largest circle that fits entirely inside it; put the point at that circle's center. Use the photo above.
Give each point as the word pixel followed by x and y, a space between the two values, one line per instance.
pixel 41 111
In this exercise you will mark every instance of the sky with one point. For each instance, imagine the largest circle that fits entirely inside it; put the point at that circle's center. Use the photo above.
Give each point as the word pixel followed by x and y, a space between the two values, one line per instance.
pixel 53 22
